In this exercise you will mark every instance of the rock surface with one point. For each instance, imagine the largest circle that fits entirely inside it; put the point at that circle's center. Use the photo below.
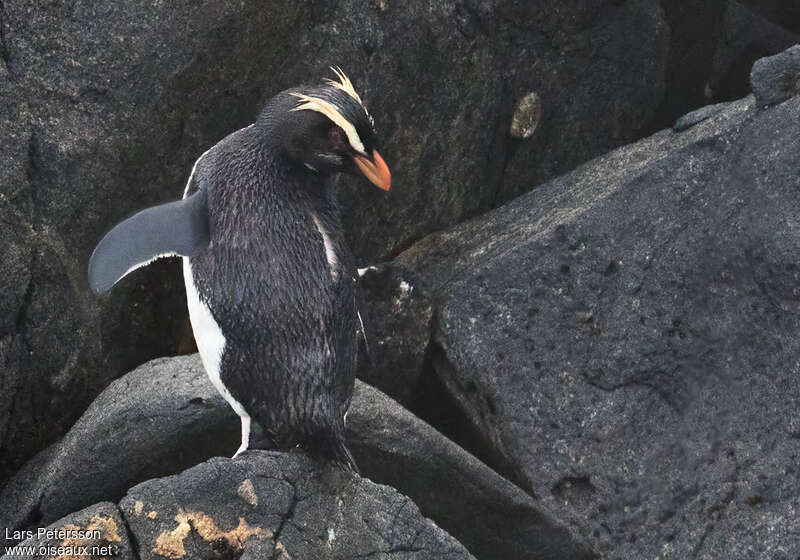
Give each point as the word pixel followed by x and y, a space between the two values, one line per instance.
pixel 165 417
pixel 160 419
pixel 776 78
pixel 695 30
pixel 624 338
pixel 106 107
pixel 697 116
pixel 93 533
pixel 746 37
pixel 490 516
pixel 277 505
pixel 397 315
pixel 781 12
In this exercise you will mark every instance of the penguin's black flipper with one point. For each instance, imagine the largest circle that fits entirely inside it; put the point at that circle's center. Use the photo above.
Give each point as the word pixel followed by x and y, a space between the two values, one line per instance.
pixel 177 228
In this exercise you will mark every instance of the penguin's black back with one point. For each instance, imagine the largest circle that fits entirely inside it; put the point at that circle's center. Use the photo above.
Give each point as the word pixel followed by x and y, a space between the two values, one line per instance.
pixel 289 323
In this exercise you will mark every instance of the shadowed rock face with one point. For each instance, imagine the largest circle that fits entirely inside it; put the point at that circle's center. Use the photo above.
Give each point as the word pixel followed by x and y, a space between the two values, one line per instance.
pixel 397 316
pixel 746 38
pixel 165 417
pixel 786 14
pixel 490 516
pixel 105 108
pixel 623 340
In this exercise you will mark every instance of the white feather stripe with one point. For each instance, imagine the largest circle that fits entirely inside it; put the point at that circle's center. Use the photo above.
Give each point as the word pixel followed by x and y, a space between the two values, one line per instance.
pixel 330 254
pixel 209 337
pixel 322 106
pixel 145 263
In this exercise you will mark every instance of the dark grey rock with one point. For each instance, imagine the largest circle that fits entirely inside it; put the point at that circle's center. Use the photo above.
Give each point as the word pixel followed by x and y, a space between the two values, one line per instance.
pixel 697 116
pixel 625 338
pixel 159 419
pixel 105 108
pixel 166 416
pixel 559 36
pixel 278 505
pixel 90 534
pixel 746 37
pixel 776 78
pixel 490 516
pixel 397 316
pixel 696 27
pixel 781 12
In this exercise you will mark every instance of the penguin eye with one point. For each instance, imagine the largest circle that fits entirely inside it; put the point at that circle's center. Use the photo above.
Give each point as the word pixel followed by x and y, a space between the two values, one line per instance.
pixel 337 137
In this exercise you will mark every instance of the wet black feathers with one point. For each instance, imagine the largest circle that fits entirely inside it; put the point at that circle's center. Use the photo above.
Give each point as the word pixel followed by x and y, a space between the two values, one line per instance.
pixel 289 321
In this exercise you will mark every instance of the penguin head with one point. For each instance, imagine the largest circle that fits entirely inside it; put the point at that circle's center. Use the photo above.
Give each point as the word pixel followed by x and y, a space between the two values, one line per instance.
pixel 327 129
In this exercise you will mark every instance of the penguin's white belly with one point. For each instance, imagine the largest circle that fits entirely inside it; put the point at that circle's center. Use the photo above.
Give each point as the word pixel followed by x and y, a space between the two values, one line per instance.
pixel 209 337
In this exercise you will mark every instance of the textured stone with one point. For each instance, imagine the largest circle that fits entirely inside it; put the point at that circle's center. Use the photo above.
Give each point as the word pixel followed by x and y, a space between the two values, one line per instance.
pixel 303 510
pixel 697 116
pixel 696 27
pixel 776 78
pixel 624 338
pixel 93 533
pixel 159 419
pixel 746 37
pixel 487 514
pixel 782 12
pixel 165 416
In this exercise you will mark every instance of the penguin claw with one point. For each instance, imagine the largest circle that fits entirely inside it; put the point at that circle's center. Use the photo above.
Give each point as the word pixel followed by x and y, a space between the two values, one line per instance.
pixel 242 449
pixel 245 436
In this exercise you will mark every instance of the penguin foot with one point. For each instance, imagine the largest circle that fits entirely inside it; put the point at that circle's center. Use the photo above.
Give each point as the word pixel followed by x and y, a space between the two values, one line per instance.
pixel 245 436
pixel 242 449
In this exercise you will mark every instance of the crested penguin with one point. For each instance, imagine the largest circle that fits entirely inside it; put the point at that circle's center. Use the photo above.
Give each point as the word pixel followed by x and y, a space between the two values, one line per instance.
pixel 270 280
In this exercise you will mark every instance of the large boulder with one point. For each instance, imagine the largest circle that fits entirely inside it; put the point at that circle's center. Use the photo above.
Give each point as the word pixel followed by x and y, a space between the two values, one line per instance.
pixel 776 78
pixel 624 338
pixel 158 420
pixel 95 532
pixel 489 515
pixel 746 37
pixel 282 506
pixel 106 107
pixel 165 417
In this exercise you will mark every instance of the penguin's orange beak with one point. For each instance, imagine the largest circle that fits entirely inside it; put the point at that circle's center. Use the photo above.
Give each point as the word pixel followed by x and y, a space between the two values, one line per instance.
pixel 376 170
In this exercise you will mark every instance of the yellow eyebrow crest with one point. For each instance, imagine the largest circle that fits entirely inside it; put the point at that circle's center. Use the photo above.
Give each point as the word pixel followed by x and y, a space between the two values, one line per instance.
pixel 346 86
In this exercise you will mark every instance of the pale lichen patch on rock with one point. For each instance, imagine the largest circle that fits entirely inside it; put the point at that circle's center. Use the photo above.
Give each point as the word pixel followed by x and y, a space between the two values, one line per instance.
pixel 526 116
pixel 247 492
pixel 170 543
pixel 281 550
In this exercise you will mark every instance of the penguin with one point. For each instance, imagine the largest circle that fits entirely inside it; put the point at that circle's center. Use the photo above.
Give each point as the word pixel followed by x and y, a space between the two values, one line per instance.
pixel 270 281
